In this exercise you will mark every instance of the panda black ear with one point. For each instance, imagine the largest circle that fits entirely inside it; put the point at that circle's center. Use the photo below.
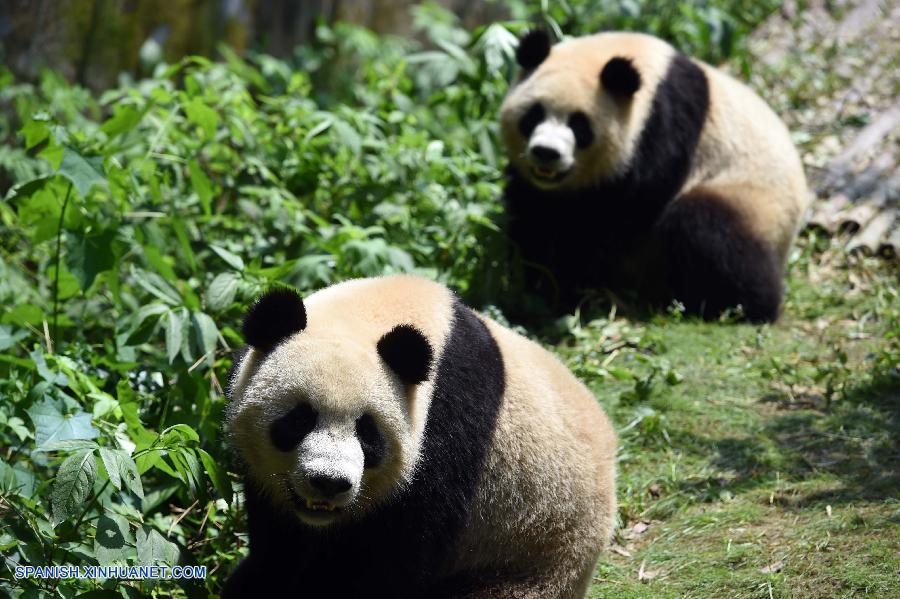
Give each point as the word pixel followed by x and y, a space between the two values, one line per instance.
pixel 620 77
pixel 407 352
pixel 274 317
pixel 533 48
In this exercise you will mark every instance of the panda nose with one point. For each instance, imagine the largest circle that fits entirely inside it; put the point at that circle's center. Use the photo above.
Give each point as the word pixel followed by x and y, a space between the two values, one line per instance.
pixel 544 154
pixel 329 485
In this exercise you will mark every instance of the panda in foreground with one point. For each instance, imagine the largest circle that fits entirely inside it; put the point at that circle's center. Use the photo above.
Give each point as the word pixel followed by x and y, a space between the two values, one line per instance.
pixel 395 443
pixel 633 166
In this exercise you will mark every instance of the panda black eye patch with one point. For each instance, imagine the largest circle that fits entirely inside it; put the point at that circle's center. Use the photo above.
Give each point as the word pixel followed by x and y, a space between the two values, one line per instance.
pixel 288 431
pixel 581 127
pixel 531 119
pixel 371 440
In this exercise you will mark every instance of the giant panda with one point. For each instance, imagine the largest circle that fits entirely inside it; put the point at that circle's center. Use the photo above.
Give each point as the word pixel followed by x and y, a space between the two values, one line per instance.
pixel 394 443
pixel 633 166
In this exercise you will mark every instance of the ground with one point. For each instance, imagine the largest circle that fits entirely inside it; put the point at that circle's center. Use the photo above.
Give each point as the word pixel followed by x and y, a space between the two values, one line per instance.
pixel 739 478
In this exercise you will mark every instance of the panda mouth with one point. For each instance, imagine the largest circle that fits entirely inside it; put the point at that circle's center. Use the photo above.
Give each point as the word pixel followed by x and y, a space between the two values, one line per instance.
pixel 314 507
pixel 548 175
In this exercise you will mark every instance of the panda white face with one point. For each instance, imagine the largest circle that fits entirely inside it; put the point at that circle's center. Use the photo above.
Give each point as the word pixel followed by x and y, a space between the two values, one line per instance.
pixel 327 418
pixel 562 140
pixel 318 427
pixel 329 456
pixel 572 119
pixel 552 142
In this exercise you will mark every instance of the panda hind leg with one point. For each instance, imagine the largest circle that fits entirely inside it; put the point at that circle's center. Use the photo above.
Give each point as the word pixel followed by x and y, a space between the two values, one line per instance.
pixel 714 261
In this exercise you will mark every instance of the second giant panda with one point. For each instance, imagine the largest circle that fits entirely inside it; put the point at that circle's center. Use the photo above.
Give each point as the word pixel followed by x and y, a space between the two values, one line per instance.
pixel 397 444
pixel 635 166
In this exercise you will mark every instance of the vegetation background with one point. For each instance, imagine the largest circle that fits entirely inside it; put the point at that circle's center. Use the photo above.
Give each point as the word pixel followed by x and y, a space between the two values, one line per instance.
pixel 139 220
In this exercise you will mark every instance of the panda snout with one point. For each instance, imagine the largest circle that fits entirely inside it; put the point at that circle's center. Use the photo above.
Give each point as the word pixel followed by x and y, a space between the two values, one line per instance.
pixel 330 486
pixel 544 154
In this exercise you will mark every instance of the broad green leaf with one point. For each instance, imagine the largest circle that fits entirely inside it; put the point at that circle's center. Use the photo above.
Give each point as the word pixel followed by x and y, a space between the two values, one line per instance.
pixel 53 153
pixel 128 472
pixel 233 260
pixel 128 401
pixel 69 285
pixel 122 439
pixel 201 185
pixel 10 336
pixel 184 243
pixel 26 190
pixel 207 334
pixel 178 433
pixel 83 172
pixel 72 484
pixel 124 119
pixel 89 255
pixel 220 294
pixel 16 479
pixel 188 468
pixel 113 541
pixel 202 115
pixel 51 426
pixel 156 285
pixel 347 136
pixel 48 374
pixel 17 426
pixel 155 549
pixel 217 475
pixel 105 406
pixel 111 459
pixel 140 327
pixel 175 321
pixel 70 445
pixel 34 131
pixel 23 314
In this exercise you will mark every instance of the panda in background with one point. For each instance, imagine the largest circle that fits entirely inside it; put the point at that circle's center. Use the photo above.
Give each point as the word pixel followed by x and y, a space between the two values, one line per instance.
pixel 635 167
pixel 395 443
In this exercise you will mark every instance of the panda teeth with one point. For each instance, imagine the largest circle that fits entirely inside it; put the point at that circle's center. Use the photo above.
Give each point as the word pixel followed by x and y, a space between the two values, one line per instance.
pixel 319 506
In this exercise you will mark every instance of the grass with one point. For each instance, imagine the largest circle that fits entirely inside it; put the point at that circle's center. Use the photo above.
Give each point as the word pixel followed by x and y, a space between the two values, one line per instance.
pixel 772 469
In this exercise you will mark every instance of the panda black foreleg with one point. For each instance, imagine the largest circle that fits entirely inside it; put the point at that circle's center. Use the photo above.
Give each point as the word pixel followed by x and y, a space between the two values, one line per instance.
pixel 714 261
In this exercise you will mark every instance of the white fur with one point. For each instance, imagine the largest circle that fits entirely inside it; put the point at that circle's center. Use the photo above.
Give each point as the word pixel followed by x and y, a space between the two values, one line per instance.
pixel 332 450
pixel 555 134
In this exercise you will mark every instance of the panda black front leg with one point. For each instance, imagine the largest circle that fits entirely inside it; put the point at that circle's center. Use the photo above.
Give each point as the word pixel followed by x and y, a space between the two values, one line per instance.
pixel 715 262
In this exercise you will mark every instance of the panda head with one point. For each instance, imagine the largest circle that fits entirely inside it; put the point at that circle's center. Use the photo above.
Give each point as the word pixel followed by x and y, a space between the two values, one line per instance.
pixel 573 117
pixel 322 416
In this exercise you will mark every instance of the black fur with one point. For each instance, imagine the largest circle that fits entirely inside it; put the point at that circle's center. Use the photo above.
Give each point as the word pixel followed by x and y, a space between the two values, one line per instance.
pixel 371 440
pixel 407 352
pixel 274 317
pixel 606 236
pixel 531 119
pixel 581 127
pixel 533 48
pixel 620 78
pixel 715 263
pixel 397 550
pixel 289 431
